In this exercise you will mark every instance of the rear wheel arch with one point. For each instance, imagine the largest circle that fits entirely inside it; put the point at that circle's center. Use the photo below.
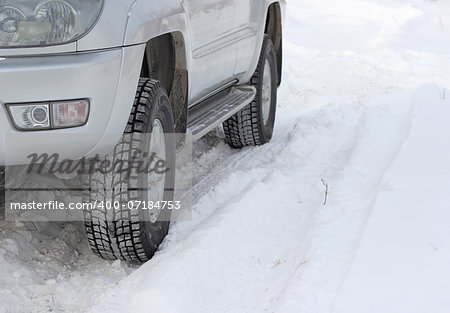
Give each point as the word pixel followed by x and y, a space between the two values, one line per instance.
pixel 274 29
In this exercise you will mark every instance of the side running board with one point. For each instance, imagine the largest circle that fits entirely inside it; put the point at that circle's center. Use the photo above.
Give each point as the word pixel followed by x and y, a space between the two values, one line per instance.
pixel 212 112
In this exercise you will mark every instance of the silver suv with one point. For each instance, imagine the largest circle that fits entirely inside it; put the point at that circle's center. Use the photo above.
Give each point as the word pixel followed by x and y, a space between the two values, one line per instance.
pixel 76 75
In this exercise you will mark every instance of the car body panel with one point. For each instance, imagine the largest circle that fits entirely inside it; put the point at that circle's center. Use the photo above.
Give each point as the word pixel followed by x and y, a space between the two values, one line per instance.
pixel 107 78
pixel 250 47
pixel 109 32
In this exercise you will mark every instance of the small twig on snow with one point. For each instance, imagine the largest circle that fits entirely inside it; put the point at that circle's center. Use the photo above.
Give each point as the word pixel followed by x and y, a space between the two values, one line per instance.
pixel 433 246
pixel 326 191
pixel 301 264
pixel 278 262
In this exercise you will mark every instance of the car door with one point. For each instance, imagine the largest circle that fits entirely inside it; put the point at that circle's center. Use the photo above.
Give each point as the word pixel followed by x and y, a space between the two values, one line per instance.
pixel 214 53
pixel 249 20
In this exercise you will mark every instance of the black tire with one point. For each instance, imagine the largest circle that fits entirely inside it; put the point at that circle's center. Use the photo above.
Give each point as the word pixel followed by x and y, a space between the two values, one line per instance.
pixel 122 233
pixel 249 127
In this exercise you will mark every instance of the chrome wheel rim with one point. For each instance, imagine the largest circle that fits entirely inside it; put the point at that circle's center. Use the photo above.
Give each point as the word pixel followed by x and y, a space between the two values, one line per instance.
pixel 156 182
pixel 266 92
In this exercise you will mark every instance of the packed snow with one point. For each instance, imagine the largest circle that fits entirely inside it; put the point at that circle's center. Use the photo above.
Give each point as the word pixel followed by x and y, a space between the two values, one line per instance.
pixel 346 210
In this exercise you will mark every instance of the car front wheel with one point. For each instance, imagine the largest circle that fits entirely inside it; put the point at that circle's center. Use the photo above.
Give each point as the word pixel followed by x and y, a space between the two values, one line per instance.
pixel 126 230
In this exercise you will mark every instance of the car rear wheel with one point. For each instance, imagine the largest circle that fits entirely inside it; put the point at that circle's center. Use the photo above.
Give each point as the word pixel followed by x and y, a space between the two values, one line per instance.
pixel 253 125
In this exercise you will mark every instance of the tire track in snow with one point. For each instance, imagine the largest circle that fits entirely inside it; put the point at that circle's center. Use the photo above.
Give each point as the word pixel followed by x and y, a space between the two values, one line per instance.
pixel 338 229
pixel 221 162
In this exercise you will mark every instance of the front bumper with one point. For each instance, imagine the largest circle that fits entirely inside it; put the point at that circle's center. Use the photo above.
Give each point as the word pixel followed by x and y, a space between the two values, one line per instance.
pixel 108 78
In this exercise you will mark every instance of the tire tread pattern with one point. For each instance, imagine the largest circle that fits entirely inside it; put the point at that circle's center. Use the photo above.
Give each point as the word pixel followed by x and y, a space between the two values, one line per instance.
pixel 244 128
pixel 117 234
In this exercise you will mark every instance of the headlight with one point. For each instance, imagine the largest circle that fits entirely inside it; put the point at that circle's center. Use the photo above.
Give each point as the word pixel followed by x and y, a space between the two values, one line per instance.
pixel 34 23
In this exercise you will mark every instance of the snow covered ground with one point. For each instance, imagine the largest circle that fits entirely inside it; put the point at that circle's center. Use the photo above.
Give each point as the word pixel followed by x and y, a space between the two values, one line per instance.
pixel 363 109
pixel 402 261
